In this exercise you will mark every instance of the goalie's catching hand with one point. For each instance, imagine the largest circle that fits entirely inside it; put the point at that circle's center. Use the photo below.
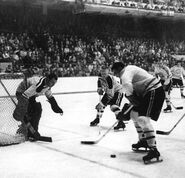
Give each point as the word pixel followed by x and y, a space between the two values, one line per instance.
pixel 55 106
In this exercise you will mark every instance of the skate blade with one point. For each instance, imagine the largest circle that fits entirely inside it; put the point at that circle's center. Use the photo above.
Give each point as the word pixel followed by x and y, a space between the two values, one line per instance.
pixel 154 160
pixel 167 111
pixel 119 130
pixel 95 125
pixel 140 150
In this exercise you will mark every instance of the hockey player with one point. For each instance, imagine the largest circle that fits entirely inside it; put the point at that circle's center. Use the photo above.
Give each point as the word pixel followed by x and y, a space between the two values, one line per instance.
pixel 178 73
pixel 163 72
pixel 146 94
pixel 111 91
pixel 27 108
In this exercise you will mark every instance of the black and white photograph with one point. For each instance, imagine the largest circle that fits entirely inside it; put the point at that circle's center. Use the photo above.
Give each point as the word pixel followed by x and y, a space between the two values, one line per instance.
pixel 92 88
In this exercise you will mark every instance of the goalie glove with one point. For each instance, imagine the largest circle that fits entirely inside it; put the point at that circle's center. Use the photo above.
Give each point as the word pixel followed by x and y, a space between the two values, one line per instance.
pixel 55 106
pixel 100 91
pixel 122 116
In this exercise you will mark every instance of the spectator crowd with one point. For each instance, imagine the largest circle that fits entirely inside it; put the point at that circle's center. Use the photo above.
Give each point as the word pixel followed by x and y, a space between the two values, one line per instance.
pixel 69 48
pixel 154 5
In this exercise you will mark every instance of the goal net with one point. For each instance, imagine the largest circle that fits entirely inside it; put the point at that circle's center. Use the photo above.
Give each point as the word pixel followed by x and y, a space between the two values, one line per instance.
pixel 10 131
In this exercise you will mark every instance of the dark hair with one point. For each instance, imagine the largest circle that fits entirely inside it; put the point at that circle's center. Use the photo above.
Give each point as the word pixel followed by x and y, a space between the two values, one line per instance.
pixel 52 76
pixel 117 66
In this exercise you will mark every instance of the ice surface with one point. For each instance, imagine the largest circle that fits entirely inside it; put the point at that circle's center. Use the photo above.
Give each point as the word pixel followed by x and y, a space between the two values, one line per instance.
pixel 66 157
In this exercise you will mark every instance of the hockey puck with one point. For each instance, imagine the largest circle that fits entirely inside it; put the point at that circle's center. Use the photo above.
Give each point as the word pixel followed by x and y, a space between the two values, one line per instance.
pixel 113 156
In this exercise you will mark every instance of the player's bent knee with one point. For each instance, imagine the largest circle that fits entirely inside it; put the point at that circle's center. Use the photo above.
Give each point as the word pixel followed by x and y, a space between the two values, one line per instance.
pixel 143 121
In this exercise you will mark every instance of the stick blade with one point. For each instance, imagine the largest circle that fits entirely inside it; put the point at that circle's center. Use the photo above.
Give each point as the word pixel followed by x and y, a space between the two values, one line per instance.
pixel 88 142
pixel 180 107
pixel 162 132
pixel 45 139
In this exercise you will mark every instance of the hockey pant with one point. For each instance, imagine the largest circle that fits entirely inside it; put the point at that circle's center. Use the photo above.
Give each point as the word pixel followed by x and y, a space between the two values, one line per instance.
pixel 178 82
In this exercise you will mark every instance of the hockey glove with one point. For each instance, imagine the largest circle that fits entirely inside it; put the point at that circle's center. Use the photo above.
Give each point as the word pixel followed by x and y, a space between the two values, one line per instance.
pixel 99 106
pixel 134 99
pixel 55 106
pixel 122 116
pixel 100 91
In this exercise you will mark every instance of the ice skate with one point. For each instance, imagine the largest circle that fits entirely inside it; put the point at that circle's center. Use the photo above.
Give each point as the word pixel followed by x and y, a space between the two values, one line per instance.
pixel 95 122
pixel 22 129
pixel 120 125
pixel 153 156
pixel 140 144
pixel 168 109
pixel 33 137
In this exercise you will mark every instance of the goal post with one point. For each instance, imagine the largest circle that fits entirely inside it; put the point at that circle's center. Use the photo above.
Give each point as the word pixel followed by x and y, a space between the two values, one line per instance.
pixel 10 130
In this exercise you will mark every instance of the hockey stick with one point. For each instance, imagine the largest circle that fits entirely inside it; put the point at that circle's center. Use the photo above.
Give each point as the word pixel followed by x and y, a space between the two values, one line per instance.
pixel 90 142
pixel 99 132
pixel 28 124
pixel 179 107
pixel 168 132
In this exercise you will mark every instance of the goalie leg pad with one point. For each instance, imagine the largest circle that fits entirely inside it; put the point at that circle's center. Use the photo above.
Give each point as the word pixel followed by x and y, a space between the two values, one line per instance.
pixel 34 113
pixel 21 108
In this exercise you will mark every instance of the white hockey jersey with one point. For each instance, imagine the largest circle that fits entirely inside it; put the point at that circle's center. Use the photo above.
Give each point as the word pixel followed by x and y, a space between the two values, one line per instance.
pixel 163 72
pixel 178 72
pixel 137 80
pixel 34 86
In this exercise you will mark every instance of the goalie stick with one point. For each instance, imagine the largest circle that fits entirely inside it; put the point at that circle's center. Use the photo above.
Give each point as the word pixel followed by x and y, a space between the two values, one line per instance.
pixel 168 132
pixel 91 142
pixel 28 124
pixel 179 107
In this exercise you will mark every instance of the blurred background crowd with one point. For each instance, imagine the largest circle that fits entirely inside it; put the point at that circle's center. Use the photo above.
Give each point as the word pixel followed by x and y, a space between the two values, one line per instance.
pixel 157 5
pixel 77 45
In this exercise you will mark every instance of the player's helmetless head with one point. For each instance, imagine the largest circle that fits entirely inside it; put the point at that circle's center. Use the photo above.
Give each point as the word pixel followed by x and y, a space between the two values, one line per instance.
pixel 117 67
pixel 104 71
pixel 51 80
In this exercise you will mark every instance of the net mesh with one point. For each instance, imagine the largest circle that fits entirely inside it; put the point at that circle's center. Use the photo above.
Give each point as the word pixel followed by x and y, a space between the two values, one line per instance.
pixel 10 129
